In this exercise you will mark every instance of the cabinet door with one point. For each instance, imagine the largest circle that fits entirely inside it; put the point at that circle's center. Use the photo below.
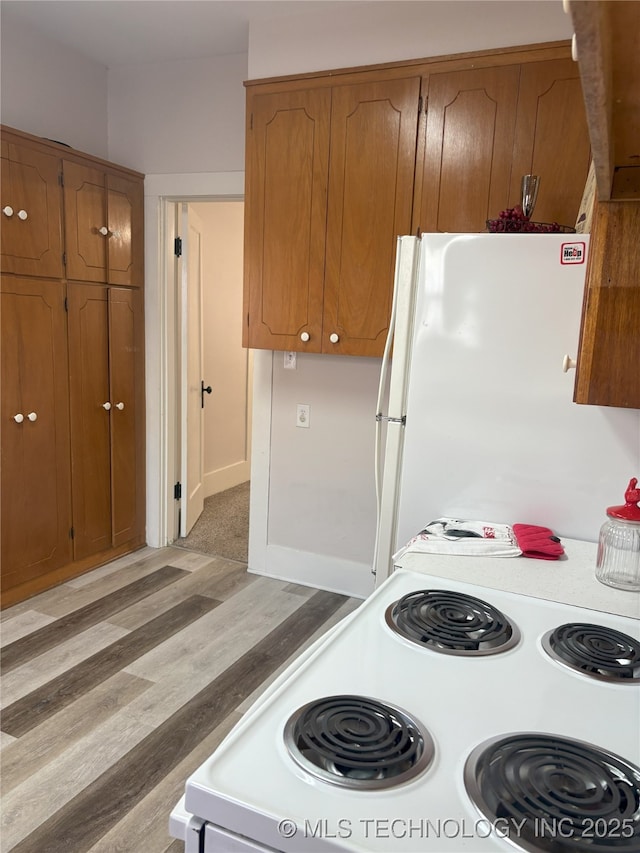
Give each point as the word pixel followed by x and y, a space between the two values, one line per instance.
pixel 125 201
pixel 285 218
pixel 373 151
pixel 31 213
pixel 91 412
pixel 468 147
pixel 36 483
pixel 86 227
pixel 126 366
pixel 551 140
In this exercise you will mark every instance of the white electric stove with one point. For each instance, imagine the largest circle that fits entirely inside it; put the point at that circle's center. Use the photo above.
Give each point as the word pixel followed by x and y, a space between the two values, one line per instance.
pixel 500 721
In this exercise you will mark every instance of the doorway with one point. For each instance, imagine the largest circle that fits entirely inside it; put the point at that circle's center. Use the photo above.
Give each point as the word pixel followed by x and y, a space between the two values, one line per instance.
pixel 213 378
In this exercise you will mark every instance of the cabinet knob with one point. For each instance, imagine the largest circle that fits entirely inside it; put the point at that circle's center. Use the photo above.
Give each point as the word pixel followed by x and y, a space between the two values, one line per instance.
pixel 18 418
pixel 334 338
pixel 574 48
pixel 22 214
pixel 305 336
pixel 120 406
pixel 7 210
pixel 568 363
pixel 32 416
pixel 106 406
pixel 104 231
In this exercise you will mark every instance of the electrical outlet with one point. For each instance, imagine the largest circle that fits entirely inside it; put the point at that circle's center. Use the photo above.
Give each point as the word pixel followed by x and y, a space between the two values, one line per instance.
pixel 290 360
pixel 303 415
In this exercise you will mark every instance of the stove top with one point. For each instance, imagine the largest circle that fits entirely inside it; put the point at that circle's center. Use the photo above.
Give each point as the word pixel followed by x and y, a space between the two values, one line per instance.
pixel 268 779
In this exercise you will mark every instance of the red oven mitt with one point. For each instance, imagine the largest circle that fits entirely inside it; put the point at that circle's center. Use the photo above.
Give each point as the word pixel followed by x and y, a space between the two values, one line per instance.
pixel 538 542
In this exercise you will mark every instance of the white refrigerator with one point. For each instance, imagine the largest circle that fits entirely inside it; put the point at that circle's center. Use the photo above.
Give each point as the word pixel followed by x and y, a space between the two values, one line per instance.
pixel 475 417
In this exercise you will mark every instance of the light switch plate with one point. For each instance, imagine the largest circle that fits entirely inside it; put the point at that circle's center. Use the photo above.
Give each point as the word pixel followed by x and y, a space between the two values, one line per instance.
pixel 303 415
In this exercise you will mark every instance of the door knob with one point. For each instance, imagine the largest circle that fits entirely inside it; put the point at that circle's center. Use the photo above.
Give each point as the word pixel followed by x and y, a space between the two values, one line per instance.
pixel 18 418
pixel 305 336
pixel 22 214
pixel 334 338
pixel 104 231
pixel 204 390
pixel 32 416
pixel 568 363
pixel 106 406
pixel 7 210
pixel 120 406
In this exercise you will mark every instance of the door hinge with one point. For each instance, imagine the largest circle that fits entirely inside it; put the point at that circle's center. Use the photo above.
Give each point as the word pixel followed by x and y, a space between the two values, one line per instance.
pixel 177 491
pixel 72 533
pixel 61 179
pixel 66 304
pixel 64 259
pixel 177 247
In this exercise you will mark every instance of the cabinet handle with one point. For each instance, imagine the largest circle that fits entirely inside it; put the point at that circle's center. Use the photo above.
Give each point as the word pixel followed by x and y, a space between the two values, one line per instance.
pixel 8 210
pixel 32 416
pixel 106 406
pixel 568 363
pixel 574 48
pixel 305 336
pixel 334 338
pixel 120 406
pixel 104 231
pixel 18 418
pixel 22 214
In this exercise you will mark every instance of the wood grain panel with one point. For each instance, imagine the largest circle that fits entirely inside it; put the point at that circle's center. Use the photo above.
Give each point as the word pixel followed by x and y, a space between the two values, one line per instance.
pixel 14 654
pixel 285 216
pixel 468 148
pixel 28 712
pixel 35 479
pixel 125 256
pixel 608 371
pixel 31 244
pixel 373 148
pixel 131 778
pixel 85 213
pixel 552 140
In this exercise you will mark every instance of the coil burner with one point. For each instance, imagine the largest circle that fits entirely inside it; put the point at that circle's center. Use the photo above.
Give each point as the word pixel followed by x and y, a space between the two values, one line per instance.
pixel 549 793
pixel 596 651
pixel 358 742
pixel 452 623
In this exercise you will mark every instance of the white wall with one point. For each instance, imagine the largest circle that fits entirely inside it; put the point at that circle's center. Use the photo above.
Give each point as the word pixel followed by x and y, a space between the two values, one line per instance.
pixel 370 32
pixel 50 91
pixel 226 365
pixel 175 117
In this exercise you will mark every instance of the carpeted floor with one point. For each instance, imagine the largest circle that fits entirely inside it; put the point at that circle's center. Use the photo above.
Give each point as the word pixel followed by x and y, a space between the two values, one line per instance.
pixel 223 528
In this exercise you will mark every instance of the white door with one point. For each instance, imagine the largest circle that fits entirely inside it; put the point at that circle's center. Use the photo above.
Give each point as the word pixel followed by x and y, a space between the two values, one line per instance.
pixel 192 411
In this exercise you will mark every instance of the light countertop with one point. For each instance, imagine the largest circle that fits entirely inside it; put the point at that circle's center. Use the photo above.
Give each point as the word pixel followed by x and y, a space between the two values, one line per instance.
pixel 571 580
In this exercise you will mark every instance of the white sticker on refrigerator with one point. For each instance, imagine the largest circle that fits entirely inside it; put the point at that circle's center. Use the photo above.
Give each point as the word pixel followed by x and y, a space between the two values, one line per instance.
pixel 572 253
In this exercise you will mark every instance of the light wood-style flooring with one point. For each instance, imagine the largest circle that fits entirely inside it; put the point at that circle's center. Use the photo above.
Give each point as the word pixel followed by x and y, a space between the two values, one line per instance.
pixel 116 685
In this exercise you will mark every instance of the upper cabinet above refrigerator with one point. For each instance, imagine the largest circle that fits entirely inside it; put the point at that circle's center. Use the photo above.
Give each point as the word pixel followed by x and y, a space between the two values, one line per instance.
pixel 338 164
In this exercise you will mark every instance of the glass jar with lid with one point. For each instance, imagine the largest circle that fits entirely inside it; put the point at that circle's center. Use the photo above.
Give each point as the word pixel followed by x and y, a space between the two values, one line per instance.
pixel 618 561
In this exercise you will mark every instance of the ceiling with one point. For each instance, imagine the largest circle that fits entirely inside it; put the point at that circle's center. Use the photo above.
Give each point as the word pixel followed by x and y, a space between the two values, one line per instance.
pixel 117 32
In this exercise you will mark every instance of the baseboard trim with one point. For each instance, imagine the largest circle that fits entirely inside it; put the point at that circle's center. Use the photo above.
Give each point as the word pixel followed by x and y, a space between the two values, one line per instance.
pixel 226 478
pixel 345 577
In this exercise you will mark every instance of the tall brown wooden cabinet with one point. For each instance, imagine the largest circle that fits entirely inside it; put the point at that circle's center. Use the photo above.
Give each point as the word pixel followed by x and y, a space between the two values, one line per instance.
pixel 73 467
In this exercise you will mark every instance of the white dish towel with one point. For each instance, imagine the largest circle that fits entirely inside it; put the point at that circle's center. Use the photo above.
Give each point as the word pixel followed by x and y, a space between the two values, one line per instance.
pixel 462 536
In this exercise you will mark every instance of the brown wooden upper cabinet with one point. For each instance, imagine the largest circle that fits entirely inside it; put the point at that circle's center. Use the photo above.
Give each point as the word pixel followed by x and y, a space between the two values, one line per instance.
pixel 338 166
pixel 103 225
pixel 31 212
pixel 486 128
pixel 330 186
